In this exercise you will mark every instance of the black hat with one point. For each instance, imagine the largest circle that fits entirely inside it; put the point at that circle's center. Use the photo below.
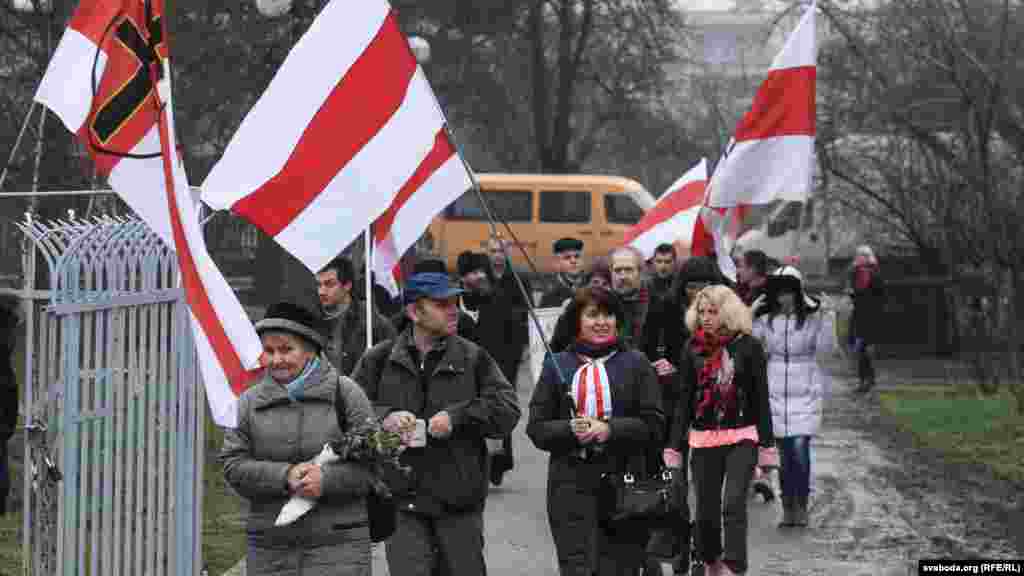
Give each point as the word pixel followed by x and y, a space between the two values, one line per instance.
pixel 567 244
pixel 293 319
pixel 700 269
pixel 471 262
pixel 429 285
pixel 430 265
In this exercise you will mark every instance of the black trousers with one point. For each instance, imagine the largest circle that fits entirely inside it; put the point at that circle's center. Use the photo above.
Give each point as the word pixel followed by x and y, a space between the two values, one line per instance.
pixel 733 465
pixel 447 545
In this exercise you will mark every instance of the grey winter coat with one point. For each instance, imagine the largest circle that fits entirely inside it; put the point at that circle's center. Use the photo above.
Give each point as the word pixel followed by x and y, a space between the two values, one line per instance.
pixel 797 383
pixel 273 433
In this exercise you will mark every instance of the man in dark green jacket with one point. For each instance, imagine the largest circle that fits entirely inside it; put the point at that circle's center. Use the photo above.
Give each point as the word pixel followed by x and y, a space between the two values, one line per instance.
pixel 446 395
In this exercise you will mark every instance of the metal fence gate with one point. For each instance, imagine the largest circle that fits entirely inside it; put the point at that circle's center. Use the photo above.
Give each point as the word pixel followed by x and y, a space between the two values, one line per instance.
pixel 115 398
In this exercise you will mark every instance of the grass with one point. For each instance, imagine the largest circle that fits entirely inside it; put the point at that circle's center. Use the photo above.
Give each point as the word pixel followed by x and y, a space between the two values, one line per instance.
pixel 223 534
pixel 963 426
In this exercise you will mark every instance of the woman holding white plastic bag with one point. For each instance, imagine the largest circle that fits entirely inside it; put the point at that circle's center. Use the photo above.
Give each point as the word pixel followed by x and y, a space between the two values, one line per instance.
pixel 284 422
pixel 796 331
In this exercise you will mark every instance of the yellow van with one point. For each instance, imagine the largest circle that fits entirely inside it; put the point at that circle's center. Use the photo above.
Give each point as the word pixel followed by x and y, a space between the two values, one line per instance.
pixel 540 208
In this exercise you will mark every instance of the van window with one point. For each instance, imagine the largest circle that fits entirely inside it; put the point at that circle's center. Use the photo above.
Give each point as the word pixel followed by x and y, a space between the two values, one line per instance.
pixel 507 206
pixel 564 206
pixel 620 209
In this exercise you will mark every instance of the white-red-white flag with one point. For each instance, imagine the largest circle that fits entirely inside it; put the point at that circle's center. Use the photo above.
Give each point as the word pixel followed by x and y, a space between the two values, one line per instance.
pixel 130 137
pixel 675 216
pixel 438 181
pixel 771 155
pixel 347 126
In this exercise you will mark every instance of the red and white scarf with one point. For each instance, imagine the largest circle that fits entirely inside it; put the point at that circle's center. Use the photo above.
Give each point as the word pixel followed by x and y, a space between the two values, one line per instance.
pixel 591 390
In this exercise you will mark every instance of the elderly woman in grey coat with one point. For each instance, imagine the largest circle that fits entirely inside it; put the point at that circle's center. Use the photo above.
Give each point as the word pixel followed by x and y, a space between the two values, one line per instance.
pixel 795 331
pixel 284 420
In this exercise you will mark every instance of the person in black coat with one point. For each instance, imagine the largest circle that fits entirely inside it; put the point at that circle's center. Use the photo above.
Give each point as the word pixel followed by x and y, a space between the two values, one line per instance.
pixel 867 291
pixel 8 396
pixel 724 417
pixel 595 407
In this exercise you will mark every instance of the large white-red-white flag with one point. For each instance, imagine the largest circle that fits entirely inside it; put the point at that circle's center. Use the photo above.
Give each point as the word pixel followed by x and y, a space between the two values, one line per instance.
pixel 129 132
pixel 676 215
pixel 771 155
pixel 348 128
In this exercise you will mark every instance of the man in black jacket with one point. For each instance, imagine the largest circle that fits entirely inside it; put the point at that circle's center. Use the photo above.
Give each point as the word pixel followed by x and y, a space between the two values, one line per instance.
pixel 446 395
pixel 498 324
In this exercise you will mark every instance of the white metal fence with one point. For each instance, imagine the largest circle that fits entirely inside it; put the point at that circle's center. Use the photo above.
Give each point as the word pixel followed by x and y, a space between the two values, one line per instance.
pixel 114 399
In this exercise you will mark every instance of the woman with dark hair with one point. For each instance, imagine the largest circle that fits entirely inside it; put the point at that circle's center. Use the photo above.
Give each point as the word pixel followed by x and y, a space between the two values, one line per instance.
pixel 795 331
pixel 596 409
pixel 284 421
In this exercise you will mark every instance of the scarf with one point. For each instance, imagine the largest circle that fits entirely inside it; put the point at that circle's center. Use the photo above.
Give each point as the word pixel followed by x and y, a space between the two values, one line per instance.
pixel 295 386
pixel 591 389
pixel 716 388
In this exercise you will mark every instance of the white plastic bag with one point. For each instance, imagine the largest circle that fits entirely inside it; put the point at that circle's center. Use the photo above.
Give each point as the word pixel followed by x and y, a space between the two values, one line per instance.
pixel 295 507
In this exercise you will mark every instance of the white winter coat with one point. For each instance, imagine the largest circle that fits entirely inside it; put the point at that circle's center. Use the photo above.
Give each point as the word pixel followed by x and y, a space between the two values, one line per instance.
pixel 797 382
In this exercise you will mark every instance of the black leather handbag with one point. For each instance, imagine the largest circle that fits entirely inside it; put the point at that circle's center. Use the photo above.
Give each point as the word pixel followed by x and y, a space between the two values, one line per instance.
pixel 623 496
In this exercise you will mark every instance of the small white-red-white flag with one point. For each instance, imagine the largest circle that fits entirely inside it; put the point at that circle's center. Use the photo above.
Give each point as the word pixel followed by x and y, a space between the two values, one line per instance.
pixel 130 136
pixel 771 155
pixel 348 127
pixel 675 216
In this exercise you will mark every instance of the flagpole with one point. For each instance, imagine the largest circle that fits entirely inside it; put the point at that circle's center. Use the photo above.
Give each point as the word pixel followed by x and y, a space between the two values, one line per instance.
pixel 369 289
pixel 494 233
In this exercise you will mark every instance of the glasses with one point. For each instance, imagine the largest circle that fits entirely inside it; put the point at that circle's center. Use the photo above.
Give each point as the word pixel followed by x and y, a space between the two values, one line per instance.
pixel 696 286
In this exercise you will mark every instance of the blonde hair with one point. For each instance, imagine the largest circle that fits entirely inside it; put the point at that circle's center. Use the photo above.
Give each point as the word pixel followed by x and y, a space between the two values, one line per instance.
pixel 735 316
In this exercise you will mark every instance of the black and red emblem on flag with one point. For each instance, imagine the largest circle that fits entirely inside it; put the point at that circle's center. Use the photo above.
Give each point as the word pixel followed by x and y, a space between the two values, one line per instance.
pixel 127 66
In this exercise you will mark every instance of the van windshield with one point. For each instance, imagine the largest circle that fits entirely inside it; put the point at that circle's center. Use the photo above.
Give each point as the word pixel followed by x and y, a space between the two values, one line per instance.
pixel 507 206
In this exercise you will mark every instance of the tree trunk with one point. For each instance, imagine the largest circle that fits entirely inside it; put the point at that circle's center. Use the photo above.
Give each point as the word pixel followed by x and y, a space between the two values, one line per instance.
pixel 540 85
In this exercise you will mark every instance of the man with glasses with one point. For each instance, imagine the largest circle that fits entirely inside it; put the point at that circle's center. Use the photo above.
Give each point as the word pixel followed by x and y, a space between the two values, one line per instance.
pixel 446 396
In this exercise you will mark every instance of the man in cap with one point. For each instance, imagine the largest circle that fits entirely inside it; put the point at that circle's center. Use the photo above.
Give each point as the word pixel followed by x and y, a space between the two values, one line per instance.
pixel 446 395
pixel 569 265
pixel 401 321
pixel 345 317
pixel 497 325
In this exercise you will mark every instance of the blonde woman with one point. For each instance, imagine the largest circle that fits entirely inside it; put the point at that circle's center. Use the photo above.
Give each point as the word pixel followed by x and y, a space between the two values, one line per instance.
pixel 723 417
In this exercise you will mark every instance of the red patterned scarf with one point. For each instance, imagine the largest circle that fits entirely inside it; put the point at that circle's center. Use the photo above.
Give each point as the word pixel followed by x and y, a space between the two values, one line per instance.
pixel 716 389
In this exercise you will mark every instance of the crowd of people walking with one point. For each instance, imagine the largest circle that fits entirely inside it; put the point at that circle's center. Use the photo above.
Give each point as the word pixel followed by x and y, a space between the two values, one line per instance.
pixel 662 372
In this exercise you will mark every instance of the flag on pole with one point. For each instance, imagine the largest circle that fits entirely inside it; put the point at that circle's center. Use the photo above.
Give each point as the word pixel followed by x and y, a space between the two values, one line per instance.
pixel 438 181
pixel 675 216
pixel 347 130
pixel 129 132
pixel 771 155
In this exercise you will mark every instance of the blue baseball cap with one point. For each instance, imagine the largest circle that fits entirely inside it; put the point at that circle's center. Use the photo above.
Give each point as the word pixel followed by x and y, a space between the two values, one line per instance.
pixel 432 285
